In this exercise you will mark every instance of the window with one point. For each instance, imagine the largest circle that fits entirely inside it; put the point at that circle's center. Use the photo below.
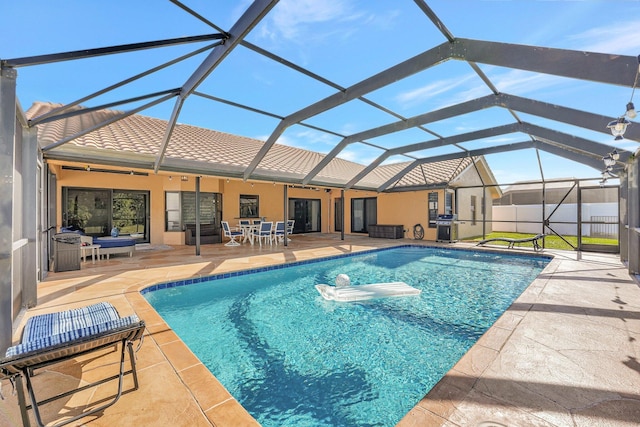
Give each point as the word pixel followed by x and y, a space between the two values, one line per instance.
pixel 129 211
pixel 448 202
pixel 433 209
pixel 249 206
pixel 473 210
pixel 180 209
pixel 173 221
pixel 364 212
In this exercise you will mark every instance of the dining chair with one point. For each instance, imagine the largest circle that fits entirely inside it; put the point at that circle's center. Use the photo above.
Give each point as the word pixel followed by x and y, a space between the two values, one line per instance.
pixel 278 232
pixel 231 234
pixel 264 232
pixel 290 223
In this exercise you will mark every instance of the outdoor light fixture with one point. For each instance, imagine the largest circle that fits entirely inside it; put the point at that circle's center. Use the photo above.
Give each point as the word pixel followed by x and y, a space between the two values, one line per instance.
pixel 609 162
pixel 184 178
pixel 619 126
pixel 615 155
pixel 611 159
pixel 631 110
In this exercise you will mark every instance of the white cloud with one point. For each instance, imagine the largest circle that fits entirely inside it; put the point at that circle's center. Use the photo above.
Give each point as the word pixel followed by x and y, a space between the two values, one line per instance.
pixel 307 140
pixel 357 156
pixel 424 93
pixel 291 18
pixel 615 37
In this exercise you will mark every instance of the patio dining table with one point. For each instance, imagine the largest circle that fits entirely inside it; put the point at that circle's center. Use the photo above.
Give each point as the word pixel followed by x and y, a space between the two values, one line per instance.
pixel 247 230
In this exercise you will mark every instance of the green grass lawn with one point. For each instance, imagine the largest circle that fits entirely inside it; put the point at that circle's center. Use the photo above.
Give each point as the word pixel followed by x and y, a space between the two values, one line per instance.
pixel 550 241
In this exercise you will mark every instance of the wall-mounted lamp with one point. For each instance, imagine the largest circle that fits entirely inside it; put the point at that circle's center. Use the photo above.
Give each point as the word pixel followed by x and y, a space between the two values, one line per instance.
pixel 184 178
pixel 131 172
pixel 227 180
pixel 88 168
pixel 619 126
pixel 170 177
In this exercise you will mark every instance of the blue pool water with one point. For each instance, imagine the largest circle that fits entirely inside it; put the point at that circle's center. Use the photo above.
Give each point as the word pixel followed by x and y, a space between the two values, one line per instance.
pixel 292 358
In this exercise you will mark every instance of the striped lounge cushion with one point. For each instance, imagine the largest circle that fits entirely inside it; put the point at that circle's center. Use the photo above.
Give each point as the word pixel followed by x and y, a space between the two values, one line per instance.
pixel 45 325
pixel 51 329
pixel 70 335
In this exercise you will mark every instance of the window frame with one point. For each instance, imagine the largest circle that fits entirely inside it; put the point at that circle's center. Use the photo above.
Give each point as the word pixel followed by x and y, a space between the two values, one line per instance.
pixel 182 220
pixel 472 207
pixel 256 204
pixel 432 208
pixel 369 208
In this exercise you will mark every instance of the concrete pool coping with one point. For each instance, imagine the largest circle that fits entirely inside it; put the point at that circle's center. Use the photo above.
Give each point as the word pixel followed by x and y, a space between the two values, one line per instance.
pixel 564 353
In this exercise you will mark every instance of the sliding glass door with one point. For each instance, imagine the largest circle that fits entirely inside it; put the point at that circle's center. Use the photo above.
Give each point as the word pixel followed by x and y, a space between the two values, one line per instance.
pixel 306 213
pixel 364 212
pixel 96 211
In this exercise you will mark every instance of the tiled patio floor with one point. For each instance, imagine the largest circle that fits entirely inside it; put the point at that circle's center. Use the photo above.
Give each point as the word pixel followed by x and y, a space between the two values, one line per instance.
pixel 566 353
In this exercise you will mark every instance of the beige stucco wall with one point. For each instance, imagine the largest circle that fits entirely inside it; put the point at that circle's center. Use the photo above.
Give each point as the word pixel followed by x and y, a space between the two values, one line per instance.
pixel 406 209
pixel 403 208
pixel 271 196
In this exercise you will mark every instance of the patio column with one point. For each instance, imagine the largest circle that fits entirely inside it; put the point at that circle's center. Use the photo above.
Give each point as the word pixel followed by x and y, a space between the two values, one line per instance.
pixel 7 166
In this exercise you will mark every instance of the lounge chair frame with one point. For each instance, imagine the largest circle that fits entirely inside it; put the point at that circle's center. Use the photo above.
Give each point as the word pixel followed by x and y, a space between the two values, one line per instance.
pixel 512 242
pixel 24 365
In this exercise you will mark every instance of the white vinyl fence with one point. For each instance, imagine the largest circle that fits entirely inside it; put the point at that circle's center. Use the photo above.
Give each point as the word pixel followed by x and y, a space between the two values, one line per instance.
pixel 528 219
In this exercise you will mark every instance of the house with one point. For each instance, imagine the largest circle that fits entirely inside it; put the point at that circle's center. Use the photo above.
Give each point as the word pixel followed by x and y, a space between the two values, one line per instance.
pixel 107 178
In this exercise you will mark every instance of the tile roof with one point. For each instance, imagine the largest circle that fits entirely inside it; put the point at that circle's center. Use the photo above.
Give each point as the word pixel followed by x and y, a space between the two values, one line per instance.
pixel 197 149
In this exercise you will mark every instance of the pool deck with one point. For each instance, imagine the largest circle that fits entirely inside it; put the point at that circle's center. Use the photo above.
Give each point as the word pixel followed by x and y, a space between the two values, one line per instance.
pixel 566 353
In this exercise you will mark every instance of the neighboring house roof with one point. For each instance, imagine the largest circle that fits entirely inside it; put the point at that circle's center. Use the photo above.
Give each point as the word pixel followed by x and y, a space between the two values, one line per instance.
pixel 135 141
pixel 531 185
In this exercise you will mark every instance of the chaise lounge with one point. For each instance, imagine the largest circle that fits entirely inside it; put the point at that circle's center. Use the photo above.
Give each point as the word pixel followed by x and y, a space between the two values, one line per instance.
pixel 52 338
pixel 512 242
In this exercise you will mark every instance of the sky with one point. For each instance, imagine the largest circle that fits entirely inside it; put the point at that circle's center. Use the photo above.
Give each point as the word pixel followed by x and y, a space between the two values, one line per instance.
pixel 342 42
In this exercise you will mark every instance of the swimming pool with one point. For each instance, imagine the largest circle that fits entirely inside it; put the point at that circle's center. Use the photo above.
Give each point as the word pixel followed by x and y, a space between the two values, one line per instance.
pixel 292 358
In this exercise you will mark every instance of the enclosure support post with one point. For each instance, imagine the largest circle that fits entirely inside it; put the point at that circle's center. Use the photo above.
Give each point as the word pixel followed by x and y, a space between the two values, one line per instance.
pixel 633 212
pixel 342 215
pixel 285 209
pixel 623 235
pixel 198 216
pixel 579 219
pixel 7 165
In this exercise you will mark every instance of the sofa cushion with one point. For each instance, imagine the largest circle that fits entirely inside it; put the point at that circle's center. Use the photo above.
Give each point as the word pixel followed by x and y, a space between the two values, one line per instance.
pixel 209 233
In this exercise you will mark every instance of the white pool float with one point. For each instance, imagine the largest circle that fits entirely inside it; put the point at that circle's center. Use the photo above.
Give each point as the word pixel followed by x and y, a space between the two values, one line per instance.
pixel 345 293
